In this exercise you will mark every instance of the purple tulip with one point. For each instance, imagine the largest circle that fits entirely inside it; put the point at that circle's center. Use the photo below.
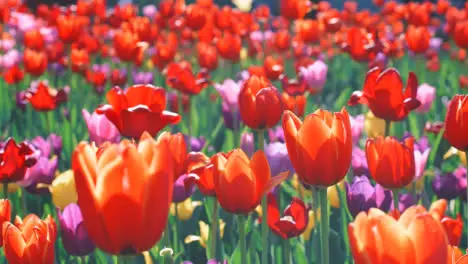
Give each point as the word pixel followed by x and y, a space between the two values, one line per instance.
pixel 50 34
pixel 21 100
pixel 57 68
pixel 196 144
pixel 100 129
pixel 243 75
pixel 23 22
pixel 104 68
pixel 460 173
pixel 278 158
pixel 142 77
pixel 75 238
pixel 426 95
pixel 276 134
pixel 315 75
pixel 357 126
pixel 43 172
pixel 229 92
pixel 247 143
pixel 447 186
pixel 435 44
pixel 405 201
pixel 52 145
pixel 182 191
pixel 361 196
pixel 359 162
pixel 231 119
pixel 420 160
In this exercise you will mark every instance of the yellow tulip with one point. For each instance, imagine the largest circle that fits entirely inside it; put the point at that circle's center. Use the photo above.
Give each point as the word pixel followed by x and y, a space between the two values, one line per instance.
pixel 333 196
pixel 63 190
pixel 243 5
pixel 373 125
pixel 244 54
pixel 184 209
pixel 150 65
pixel 205 233
pixel 453 151
pixel 311 224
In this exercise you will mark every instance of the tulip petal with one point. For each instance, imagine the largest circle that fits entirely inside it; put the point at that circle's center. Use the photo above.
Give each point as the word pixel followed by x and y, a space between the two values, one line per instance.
pixel 291 126
pixel 14 244
pixel 261 172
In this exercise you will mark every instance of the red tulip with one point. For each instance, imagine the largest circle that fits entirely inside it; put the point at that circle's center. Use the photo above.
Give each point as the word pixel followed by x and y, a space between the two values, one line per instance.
pixel 180 77
pixel 203 176
pixel 295 104
pixel 195 17
pixel 35 62
pixel 361 45
pixel 30 241
pixel 140 108
pixel 14 75
pixel 391 163
pixel 259 103
pixel 294 9
pixel 456 122
pixel 135 177
pixel 294 220
pixel 79 60
pixel 418 38
pixel 229 46
pixel 320 147
pixel 383 93
pixel 126 45
pixel 43 98
pixel 460 33
pixel 207 56
pixel 34 40
pixel 273 68
pixel 14 160
pixel 69 28
pixel 118 77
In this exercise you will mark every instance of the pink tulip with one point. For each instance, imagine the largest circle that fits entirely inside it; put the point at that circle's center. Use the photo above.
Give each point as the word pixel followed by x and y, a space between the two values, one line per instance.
pixel 100 129
pixel 426 95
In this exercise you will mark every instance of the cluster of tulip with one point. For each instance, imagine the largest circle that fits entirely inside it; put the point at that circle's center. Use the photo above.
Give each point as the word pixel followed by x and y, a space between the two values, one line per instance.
pixel 281 178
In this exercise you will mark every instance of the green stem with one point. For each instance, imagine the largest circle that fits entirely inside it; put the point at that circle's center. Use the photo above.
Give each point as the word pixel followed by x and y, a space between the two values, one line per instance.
pixel 242 247
pixel 236 129
pixel 395 199
pixel 261 146
pixel 315 207
pixel 5 190
pixel 387 127
pixel 324 225
pixel 287 251
pixel 214 229
pixel 189 117
pixel 50 121
pixel 176 230
pixel 466 204
pixel 344 219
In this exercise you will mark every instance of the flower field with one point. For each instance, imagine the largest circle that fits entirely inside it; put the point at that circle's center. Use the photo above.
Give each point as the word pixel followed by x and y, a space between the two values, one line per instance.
pixel 198 133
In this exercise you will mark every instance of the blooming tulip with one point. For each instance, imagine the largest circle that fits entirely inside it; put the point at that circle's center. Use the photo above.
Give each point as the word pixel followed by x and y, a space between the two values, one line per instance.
pixel 5 215
pixel 43 98
pixel 140 108
pixel 415 238
pixel 388 84
pixel 104 188
pixel 311 155
pixel 294 220
pixel 30 240
pixel 14 160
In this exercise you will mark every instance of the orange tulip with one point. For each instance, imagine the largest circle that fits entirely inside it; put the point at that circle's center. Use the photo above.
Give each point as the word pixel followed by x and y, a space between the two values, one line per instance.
pixel 294 9
pixel 259 103
pixel 79 59
pixel 30 241
pixel 35 62
pixel 415 238
pixel 456 122
pixel 229 46
pixel 454 254
pixel 320 147
pixel 453 227
pixel 69 28
pixel 138 178
pixel 391 163
pixel 240 182
pixel 418 38
pixel 5 215
pixel 34 40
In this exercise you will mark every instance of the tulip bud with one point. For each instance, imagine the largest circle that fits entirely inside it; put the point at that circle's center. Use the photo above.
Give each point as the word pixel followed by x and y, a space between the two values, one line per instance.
pixel 373 125
pixel 184 209
pixel 333 195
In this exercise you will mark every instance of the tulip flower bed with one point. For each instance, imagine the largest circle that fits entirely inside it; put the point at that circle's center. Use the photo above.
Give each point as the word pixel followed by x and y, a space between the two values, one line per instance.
pixel 205 134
